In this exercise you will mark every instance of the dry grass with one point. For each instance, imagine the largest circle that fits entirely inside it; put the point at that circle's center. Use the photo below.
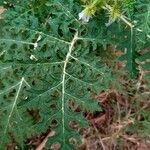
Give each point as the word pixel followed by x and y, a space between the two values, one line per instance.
pixel 107 132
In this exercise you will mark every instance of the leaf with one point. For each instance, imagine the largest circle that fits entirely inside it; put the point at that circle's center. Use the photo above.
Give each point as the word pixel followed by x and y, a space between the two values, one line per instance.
pixel 143 22
pixel 52 71
pixel 144 62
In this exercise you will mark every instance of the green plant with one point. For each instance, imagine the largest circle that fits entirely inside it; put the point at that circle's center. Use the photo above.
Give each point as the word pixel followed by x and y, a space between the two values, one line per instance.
pixel 50 62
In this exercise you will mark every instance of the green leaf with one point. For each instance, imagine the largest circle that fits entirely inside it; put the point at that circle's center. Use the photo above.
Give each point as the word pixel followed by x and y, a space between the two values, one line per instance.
pixel 52 71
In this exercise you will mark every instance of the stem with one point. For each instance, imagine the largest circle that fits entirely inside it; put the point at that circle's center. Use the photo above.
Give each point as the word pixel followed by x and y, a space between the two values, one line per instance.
pixel 63 81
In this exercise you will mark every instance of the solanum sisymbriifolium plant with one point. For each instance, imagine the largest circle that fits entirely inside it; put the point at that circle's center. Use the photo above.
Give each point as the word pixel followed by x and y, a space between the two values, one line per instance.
pixel 50 62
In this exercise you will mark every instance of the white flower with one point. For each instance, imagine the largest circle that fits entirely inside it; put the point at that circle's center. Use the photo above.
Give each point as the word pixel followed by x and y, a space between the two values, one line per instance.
pixel 110 21
pixel 84 17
